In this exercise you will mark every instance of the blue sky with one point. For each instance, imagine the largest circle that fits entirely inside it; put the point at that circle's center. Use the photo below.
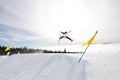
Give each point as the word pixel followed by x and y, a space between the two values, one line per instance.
pixel 37 23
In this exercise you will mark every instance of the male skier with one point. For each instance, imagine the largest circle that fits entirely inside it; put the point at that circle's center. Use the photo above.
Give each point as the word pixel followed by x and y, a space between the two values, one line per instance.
pixel 65 36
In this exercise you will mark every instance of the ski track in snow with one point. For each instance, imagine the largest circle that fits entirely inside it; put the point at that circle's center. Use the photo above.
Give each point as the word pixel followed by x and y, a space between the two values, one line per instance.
pixel 41 67
pixel 94 66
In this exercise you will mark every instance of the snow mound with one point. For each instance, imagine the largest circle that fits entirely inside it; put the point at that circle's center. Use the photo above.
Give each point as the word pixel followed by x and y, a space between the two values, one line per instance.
pixel 42 67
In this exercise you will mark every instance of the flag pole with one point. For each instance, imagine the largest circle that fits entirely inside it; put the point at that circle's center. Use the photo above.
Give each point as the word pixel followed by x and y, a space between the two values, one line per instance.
pixel 83 54
pixel 87 43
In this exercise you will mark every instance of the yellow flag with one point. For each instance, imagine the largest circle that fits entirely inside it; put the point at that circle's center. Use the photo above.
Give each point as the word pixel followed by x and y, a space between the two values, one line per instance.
pixel 7 48
pixel 90 41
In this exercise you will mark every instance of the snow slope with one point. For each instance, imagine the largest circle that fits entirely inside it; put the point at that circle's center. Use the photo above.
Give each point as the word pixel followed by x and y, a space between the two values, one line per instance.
pixel 41 67
pixel 94 66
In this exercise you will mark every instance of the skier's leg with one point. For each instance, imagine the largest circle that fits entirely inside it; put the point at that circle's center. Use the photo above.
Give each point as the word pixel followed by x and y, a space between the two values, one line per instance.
pixel 69 38
pixel 60 38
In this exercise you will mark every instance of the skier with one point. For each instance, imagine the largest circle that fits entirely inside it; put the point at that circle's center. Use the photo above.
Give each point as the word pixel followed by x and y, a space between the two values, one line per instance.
pixel 65 36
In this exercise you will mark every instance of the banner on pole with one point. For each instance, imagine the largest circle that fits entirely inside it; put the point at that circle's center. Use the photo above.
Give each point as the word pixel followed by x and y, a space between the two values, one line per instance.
pixel 7 48
pixel 90 41
pixel 87 44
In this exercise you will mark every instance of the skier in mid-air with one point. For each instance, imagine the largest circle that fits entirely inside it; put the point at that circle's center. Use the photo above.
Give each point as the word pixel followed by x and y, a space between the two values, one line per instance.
pixel 65 36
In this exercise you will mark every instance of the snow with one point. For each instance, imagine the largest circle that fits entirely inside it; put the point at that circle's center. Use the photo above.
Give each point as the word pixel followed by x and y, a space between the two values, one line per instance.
pixel 41 67
pixel 96 65
pixel 103 66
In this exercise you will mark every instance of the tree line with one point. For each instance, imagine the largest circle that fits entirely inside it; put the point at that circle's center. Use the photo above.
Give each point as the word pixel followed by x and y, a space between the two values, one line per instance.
pixel 25 50
pixel 17 50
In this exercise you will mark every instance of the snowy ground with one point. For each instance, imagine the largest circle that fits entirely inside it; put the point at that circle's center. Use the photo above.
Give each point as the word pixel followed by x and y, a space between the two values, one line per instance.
pixel 41 67
pixel 103 66
pixel 94 66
